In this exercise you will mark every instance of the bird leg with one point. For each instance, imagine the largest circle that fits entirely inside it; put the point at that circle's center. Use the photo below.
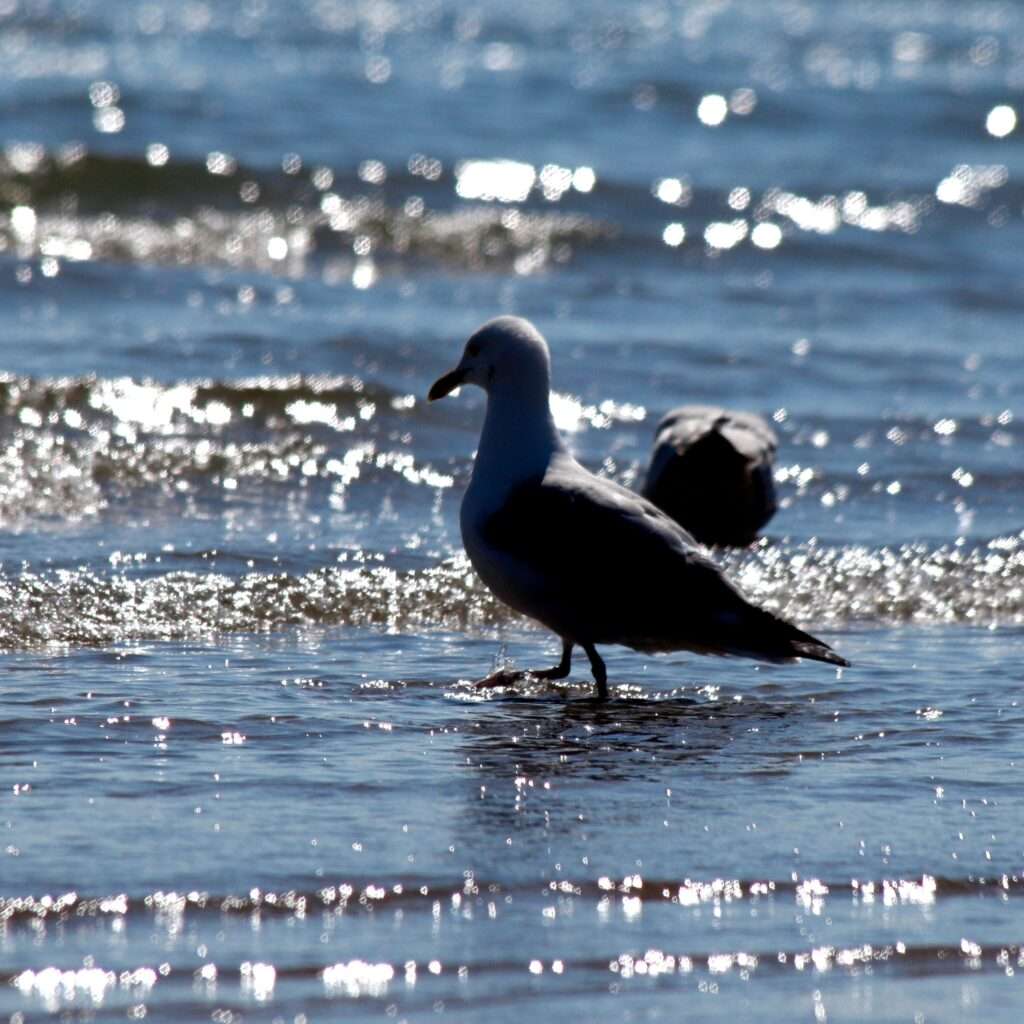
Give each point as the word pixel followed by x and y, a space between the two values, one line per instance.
pixel 505 677
pixel 559 671
pixel 600 672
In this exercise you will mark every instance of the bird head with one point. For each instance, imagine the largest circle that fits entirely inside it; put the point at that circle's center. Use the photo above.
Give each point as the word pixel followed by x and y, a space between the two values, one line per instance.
pixel 505 353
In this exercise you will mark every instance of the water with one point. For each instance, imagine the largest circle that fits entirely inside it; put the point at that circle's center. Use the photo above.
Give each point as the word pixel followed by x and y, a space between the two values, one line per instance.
pixel 244 773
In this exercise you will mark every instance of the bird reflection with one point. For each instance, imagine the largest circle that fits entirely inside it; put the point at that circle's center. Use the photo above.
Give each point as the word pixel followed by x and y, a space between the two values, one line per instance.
pixel 634 739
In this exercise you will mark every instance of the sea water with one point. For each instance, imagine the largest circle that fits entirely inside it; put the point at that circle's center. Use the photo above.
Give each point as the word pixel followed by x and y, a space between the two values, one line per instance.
pixel 244 773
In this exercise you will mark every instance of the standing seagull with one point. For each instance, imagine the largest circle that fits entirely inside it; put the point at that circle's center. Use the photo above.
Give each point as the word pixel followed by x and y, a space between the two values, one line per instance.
pixel 591 560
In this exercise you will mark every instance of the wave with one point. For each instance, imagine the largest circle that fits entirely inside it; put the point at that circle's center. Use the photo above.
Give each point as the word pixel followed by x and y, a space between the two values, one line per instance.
pixel 71 205
pixel 76 206
pixel 397 983
pixel 81 402
pixel 828 586
pixel 355 895
pixel 78 442
pixel 358 978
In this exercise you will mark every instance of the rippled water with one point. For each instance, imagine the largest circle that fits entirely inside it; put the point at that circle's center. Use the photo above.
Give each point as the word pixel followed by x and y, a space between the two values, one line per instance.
pixel 244 774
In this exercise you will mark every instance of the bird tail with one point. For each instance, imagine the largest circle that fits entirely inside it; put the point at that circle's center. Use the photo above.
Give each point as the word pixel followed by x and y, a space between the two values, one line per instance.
pixel 770 638
pixel 818 651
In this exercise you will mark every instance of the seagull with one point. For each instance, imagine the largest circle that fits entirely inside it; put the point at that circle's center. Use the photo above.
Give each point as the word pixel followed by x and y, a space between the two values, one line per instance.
pixel 589 559
pixel 711 471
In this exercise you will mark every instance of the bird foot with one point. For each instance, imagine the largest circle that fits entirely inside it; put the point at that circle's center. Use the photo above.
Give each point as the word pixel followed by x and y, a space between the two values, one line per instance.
pixel 503 677
pixel 509 676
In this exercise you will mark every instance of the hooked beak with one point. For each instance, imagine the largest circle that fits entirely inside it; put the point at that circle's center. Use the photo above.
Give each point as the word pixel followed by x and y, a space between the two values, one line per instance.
pixel 447 384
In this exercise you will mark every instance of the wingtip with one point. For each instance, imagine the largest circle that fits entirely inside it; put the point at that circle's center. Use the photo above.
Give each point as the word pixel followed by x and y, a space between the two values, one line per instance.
pixel 821 652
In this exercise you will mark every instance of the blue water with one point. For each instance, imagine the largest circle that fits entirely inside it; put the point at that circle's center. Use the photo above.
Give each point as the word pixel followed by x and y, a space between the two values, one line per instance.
pixel 244 773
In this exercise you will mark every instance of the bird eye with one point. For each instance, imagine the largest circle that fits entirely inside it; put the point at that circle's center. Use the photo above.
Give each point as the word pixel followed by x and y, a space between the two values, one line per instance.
pixel 472 349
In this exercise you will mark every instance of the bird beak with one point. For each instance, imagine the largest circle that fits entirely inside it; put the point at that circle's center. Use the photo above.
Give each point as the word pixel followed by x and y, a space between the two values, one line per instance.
pixel 447 384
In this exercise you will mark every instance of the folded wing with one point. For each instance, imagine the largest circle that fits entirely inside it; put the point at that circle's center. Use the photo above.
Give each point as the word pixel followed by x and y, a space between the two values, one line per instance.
pixel 595 562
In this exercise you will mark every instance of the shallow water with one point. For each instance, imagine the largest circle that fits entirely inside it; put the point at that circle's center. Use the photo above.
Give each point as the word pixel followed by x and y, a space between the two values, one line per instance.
pixel 244 773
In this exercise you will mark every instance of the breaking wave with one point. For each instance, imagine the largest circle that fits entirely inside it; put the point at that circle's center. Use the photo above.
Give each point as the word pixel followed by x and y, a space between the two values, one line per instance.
pixel 833 587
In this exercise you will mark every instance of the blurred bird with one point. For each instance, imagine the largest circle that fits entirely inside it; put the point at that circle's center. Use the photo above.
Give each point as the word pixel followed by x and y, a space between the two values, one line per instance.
pixel 711 471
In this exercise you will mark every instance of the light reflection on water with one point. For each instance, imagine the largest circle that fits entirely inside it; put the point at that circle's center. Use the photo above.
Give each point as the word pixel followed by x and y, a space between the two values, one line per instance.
pixel 289 241
pixel 522 811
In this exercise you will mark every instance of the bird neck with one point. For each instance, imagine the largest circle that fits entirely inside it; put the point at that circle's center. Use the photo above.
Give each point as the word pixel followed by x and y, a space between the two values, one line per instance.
pixel 518 440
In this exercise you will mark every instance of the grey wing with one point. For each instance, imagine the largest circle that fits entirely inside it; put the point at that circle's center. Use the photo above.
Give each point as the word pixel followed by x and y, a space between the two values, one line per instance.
pixel 597 562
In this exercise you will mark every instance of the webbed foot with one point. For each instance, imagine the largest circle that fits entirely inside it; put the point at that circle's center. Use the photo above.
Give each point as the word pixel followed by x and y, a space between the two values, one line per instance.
pixel 507 676
pixel 503 677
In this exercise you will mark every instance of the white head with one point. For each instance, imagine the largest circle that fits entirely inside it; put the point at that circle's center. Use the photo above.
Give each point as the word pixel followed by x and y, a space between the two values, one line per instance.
pixel 506 355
